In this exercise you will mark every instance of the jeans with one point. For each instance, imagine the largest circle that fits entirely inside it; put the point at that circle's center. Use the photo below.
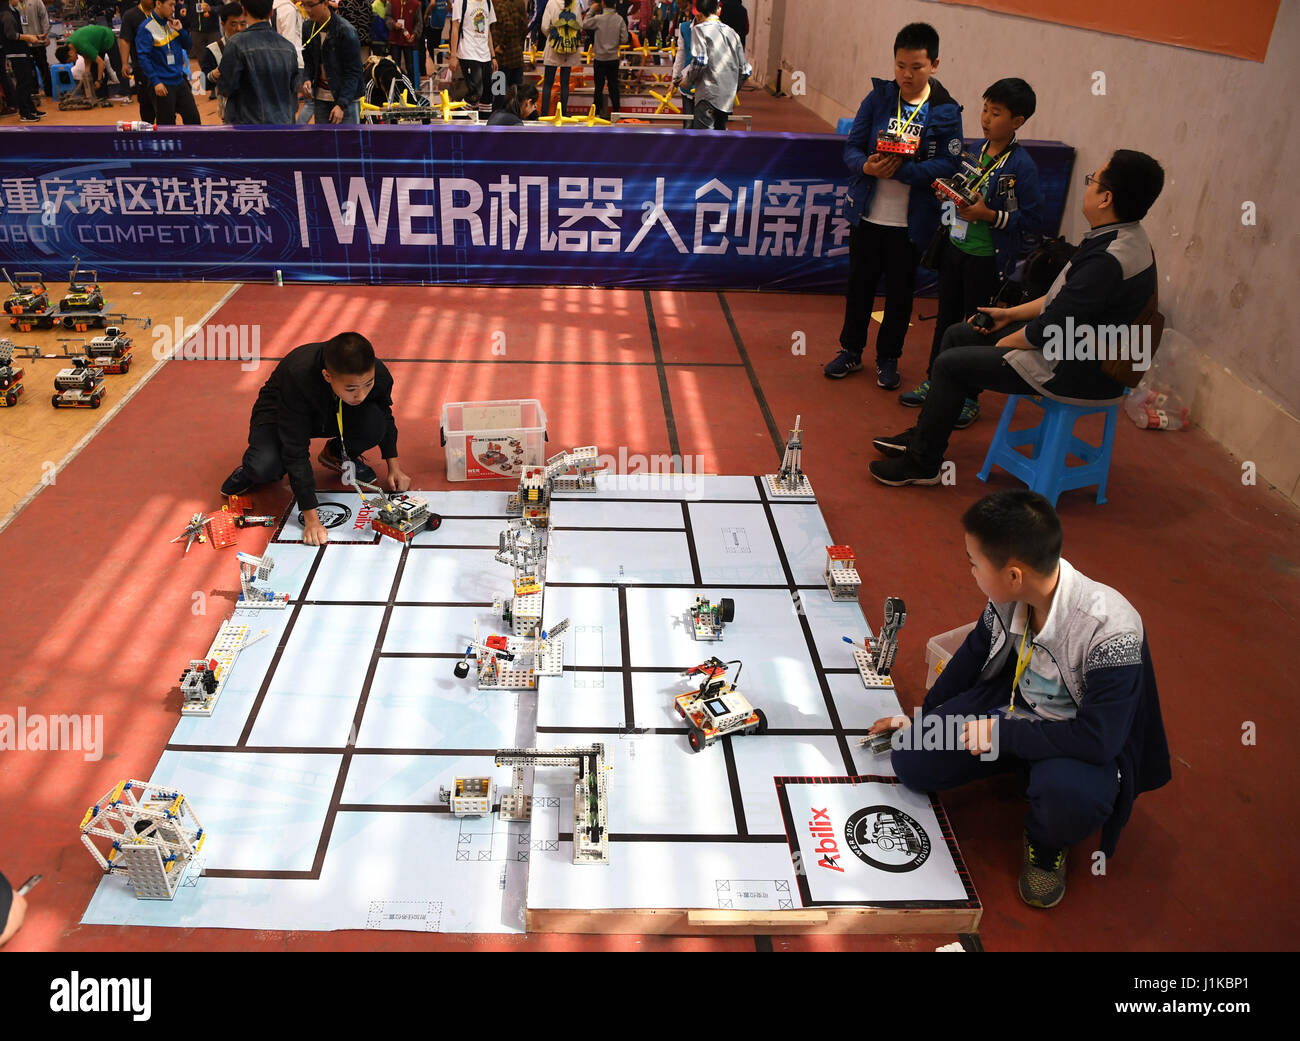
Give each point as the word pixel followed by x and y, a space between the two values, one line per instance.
pixel 322 110
pixel 1068 798
pixel 548 81
pixel 606 72
pixel 709 118
pixel 478 81
pixel 178 101
pixel 969 361
pixel 873 249
pixel 966 282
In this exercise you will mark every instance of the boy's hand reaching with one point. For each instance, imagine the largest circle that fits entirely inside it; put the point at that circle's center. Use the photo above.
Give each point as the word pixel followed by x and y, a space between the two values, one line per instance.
pixel 398 480
pixel 890 723
pixel 314 533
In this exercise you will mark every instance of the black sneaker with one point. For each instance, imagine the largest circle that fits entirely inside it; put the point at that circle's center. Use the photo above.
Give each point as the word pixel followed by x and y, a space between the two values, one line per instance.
pixel 331 458
pixel 30 117
pixel 1042 875
pixel 893 446
pixel 238 483
pixel 899 472
pixel 887 376
pixel 842 364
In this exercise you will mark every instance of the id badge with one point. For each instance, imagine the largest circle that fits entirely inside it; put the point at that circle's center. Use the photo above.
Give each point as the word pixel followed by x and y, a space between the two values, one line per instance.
pixel 959 226
pixel 171 58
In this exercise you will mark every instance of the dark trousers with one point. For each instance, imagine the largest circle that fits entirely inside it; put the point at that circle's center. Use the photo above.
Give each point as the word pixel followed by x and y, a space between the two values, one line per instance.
pixel 875 249
pixel 709 118
pixel 1068 798
pixel 548 81
pixel 41 61
pixel 606 72
pixel 178 101
pixel 145 96
pixel 478 82
pixel 966 282
pixel 363 427
pixel 513 78
pixel 412 58
pixel 114 57
pixel 969 361
pixel 20 88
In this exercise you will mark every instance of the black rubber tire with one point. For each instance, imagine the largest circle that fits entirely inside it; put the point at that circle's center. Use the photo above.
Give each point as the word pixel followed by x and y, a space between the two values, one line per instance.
pixel 55 400
pixel 125 368
pixel 462 669
pixel 95 402
pixel 761 727
pixel 727 607
pixel 695 739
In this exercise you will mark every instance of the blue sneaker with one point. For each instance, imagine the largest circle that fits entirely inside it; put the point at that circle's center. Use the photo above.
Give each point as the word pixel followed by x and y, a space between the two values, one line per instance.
pixel 887 374
pixel 843 363
pixel 970 411
pixel 915 398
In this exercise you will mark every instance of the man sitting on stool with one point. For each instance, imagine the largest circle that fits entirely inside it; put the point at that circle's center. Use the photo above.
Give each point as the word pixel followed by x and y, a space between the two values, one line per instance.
pixel 1108 281
pixel 336 389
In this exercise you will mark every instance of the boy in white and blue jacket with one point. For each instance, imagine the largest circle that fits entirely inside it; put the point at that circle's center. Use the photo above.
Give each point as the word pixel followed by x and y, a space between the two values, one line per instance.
pixel 986 240
pixel 1055 681
pixel 907 133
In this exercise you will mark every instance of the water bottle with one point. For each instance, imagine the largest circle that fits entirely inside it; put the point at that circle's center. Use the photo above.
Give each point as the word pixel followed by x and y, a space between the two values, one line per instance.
pixel 136 124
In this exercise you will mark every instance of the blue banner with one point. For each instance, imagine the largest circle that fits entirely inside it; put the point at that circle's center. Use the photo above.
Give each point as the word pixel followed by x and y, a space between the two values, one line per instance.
pixel 447 204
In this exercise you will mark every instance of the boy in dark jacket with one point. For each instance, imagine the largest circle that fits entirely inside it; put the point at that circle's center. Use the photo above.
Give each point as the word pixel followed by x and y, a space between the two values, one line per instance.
pixel 1055 680
pixel 907 133
pixel 986 239
pixel 336 389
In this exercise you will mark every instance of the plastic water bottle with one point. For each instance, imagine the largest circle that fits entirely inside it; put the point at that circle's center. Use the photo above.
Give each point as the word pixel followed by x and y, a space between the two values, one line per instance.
pixel 136 124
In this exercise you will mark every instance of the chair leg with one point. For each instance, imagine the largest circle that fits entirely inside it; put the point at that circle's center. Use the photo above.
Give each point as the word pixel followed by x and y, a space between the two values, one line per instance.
pixel 999 435
pixel 1107 445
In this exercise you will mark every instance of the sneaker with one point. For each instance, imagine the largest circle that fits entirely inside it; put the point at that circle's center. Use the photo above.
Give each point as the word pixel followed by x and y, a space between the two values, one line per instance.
pixel 1042 876
pixel 915 398
pixel 238 483
pixel 893 446
pixel 887 374
pixel 34 117
pixel 970 411
pixel 331 458
pixel 843 363
pixel 900 471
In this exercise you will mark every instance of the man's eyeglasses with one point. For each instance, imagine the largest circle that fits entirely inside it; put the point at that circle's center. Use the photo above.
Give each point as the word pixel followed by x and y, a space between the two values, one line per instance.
pixel 1094 179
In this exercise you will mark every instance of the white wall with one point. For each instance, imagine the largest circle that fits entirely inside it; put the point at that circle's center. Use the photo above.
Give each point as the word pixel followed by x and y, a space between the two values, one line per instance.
pixel 1221 127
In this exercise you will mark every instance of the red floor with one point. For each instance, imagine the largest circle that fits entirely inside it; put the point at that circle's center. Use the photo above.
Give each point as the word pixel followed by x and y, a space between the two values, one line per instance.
pixel 106 620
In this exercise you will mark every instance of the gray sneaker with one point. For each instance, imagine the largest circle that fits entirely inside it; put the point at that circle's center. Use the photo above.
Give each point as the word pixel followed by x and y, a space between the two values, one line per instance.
pixel 1042 875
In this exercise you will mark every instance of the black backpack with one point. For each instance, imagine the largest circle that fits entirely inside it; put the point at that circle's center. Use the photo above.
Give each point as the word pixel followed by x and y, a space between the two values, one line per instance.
pixel 1043 264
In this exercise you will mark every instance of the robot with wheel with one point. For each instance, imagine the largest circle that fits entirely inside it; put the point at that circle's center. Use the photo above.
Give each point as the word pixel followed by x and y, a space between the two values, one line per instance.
pixel 716 708
pixel 709 619
pixel 79 386
pixel 11 387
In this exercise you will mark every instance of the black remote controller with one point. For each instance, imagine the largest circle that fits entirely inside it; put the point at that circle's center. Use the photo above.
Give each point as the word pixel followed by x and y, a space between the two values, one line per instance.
pixel 982 321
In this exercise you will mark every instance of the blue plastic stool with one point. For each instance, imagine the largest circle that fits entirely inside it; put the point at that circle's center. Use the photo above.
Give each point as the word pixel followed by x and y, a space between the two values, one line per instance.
pixel 61 80
pixel 1051 442
pixel 844 125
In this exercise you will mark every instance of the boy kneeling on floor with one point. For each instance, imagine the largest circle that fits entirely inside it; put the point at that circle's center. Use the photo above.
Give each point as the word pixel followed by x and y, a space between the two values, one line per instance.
pixel 1054 680
pixel 336 389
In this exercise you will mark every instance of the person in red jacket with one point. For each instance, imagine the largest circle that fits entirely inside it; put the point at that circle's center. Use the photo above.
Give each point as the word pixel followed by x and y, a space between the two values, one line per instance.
pixel 406 35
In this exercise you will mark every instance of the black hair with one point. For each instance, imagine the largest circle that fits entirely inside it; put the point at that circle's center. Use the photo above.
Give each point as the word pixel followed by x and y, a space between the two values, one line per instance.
pixel 707 8
pixel 348 354
pixel 63 53
pixel 1135 181
pixel 1015 95
pixel 1016 525
pixel 516 96
pixel 258 9
pixel 232 10
pixel 918 36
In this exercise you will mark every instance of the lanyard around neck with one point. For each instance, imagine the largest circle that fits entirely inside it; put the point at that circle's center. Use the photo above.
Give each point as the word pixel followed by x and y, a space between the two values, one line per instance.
pixel 915 111
pixel 320 29
pixel 987 173
pixel 1022 662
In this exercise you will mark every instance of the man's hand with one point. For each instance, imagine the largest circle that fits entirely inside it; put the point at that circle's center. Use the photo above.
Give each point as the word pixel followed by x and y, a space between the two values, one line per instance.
pixel 305 90
pixel 977 735
pixel 336 114
pixel 313 531
pixel 890 723
pixel 1001 318
pixel 398 480
pixel 160 89
pixel 215 74
pixel 976 210
pixel 883 166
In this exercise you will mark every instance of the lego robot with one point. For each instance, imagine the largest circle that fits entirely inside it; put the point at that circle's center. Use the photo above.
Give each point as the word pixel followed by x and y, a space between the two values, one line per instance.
pixel 716 708
pixel 111 352
pixel 958 188
pixel 29 303
pixel 79 386
pixel 790 480
pixel 81 296
pixel 708 619
pixel 11 387
pixel 875 660
pixel 842 578
pixel 590 794
pixel 469 796
pixel 145 832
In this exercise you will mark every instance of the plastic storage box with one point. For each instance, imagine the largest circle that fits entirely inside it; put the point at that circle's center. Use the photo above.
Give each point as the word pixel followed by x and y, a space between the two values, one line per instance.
pixel 491 440
pixel 940 649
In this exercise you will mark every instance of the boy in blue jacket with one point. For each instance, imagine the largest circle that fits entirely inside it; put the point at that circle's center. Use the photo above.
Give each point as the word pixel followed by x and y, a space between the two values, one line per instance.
pixel 163 45
pixel 987 239
pixel 907 133
pixel 1054 680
